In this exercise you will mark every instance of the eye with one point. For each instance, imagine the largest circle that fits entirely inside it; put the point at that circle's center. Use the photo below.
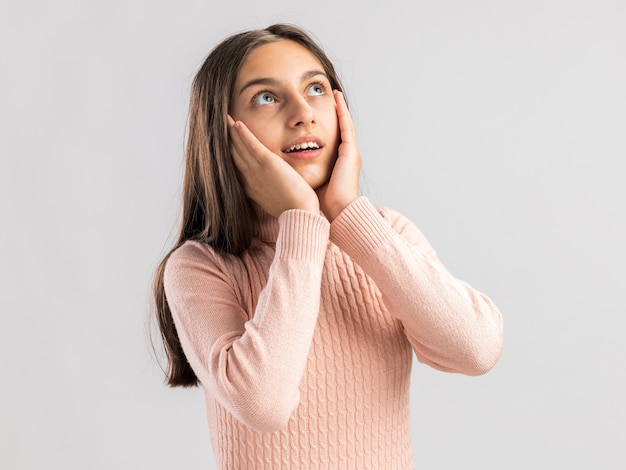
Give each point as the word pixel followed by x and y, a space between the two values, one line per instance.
pixel 316 89
pixel 263 98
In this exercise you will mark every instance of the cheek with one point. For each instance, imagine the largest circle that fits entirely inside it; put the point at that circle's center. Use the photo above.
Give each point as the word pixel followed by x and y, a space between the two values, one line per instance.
pixel 262 131
pixel 327 116
pixel 259 123
pixel 333 128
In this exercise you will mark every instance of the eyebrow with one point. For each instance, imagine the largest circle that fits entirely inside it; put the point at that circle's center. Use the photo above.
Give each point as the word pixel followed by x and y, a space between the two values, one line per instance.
pixel 272 81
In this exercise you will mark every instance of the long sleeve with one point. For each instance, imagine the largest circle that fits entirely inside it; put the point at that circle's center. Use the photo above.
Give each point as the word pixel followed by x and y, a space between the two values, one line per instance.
pixel 250 355
pixel 451 326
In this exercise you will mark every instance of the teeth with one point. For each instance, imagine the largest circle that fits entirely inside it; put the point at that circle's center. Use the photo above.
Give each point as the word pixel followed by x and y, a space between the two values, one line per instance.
pixel 303 146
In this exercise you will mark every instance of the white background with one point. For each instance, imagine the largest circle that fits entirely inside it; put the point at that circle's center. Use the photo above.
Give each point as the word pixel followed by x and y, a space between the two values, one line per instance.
pixel 498 127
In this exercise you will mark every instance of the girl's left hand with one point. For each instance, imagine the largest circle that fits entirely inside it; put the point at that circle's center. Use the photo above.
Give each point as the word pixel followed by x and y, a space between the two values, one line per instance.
pixel 343 186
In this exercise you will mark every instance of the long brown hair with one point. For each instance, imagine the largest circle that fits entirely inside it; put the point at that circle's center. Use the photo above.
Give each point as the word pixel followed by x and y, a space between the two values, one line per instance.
pixel 215 208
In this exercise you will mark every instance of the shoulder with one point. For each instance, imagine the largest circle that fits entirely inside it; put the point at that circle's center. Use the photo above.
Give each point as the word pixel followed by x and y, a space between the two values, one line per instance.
pixel 398 221
pixel 392 216
pixel 196 266
pixel 363 210
pixel 406 228
pixel 191 253
pixel 195 259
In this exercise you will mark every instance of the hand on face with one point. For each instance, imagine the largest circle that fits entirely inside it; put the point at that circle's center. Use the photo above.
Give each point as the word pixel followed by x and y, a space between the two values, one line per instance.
pixel 267 179
pixel 275 186
pixel 343 186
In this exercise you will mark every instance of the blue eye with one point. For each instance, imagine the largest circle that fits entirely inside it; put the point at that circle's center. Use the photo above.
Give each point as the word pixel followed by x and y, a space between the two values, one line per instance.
pixel 315 89
pixel 263 98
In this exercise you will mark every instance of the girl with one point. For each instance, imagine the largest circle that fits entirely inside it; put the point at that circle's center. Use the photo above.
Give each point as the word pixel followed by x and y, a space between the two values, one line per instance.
pixel 292 300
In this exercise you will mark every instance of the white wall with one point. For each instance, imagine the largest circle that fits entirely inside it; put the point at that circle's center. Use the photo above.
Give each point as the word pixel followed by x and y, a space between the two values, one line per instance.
pixel 498 127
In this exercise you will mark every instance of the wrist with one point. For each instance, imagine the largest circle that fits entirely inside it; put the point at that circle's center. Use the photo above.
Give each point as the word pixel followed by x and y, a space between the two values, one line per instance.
pixel 333 211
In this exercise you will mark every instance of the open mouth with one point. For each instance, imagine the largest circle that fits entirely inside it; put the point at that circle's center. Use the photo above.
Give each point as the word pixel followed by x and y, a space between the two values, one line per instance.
pixel 302 147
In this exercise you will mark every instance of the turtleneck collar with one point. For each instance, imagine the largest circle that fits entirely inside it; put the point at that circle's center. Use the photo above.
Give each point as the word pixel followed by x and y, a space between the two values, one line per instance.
pixel 267 225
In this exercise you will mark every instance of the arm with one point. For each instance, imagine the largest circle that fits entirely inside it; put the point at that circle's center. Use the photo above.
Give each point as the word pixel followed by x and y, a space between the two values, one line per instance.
pixel 451 326
pixel 251 361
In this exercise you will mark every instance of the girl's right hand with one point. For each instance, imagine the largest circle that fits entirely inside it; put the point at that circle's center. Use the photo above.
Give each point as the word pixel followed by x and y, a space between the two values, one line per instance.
pixel 267 179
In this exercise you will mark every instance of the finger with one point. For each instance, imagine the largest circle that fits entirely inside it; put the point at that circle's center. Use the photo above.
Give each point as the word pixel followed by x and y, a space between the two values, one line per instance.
pixel 346 125
pixel 254 152
pixel 239 153
pixel 237 136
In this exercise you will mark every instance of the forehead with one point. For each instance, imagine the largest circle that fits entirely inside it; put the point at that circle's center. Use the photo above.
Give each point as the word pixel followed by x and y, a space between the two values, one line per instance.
pixel 282 60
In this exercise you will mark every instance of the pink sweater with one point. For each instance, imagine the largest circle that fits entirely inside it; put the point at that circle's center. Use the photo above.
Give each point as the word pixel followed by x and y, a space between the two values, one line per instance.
pixel 303 344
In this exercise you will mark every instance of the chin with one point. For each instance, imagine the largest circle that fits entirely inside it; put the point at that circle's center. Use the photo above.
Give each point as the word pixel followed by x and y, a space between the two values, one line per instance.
pixel 317 181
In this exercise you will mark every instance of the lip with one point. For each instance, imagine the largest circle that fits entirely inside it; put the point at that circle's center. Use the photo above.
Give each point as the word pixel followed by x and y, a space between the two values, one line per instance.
pixel 305 154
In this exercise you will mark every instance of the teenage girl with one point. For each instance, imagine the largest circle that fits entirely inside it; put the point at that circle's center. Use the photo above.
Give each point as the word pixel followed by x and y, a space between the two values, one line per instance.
pixel 293 301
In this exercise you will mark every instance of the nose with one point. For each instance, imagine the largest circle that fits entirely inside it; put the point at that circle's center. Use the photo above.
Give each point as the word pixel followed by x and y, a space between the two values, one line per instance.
pixel 302 113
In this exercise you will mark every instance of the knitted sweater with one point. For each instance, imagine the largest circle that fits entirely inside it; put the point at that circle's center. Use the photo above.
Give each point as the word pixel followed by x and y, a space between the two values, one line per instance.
pixel 303 344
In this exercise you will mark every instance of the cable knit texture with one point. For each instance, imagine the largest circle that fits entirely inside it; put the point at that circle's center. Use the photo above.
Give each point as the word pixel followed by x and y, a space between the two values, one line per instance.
pixel 303 344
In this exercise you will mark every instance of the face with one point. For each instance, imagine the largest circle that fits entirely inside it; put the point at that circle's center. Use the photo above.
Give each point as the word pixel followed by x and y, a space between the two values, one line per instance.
pixel 284 97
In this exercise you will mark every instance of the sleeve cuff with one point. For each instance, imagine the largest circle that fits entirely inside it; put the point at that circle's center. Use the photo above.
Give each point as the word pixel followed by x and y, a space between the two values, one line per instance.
pixel 360 229
pixel 302 235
